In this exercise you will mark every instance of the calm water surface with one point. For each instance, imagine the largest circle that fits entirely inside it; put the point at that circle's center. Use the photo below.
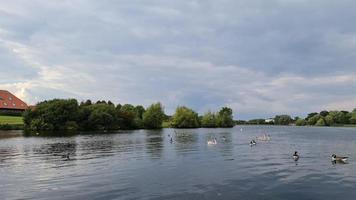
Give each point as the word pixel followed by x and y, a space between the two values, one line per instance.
pixel 144 164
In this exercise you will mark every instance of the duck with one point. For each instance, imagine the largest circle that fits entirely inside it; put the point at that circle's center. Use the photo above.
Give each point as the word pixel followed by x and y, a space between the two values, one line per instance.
pixel 338 158
pixel 171 140
pixel 253 142
pixel 295 156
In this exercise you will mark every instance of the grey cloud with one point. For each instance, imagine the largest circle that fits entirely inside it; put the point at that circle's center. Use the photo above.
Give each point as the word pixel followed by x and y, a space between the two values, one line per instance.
pixel 260 57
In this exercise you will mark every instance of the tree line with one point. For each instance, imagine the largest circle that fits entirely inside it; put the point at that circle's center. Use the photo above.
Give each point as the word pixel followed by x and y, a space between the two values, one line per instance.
pixel 328 118
pixel 277 120
pixel 323 118
pixel 68 114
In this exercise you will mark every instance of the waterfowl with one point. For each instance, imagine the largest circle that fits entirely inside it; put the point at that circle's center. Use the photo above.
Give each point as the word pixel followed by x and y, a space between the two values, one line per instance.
pixel 224 138
pixel 212 141
pixel 295 156
pixel 253 142
pixel 338 158
pixel 171 140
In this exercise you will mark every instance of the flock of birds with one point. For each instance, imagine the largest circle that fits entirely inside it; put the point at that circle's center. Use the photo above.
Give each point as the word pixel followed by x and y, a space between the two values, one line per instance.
pixel 295 156
pixel 264 138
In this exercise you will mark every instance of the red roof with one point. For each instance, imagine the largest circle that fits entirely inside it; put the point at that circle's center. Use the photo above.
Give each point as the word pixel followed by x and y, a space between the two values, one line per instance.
pixel 10 101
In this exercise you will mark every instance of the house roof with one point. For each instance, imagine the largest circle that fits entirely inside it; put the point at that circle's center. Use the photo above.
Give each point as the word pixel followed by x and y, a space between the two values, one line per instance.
pixel 10 101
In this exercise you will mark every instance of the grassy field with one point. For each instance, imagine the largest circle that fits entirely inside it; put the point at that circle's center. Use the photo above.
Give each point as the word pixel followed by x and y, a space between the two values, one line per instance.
pixel 12 120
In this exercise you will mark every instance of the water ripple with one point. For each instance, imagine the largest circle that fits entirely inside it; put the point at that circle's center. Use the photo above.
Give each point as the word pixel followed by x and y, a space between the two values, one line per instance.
pixel 146 165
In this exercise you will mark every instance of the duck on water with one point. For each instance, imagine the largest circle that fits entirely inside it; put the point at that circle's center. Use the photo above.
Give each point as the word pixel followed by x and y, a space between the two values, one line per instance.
pixel 295 156
pixel 253 142
pixel 336 158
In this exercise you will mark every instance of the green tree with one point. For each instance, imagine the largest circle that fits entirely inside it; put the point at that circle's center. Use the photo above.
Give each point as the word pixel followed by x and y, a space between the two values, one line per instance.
pixel 225 118
pixel 282 120
pixel 100 116
pixel 313 120
pixel 329 121
pixel 128 117
pixel 324 113
pixel 51 115
pixel 139 111
pixel 310 115
pixel 320 122
pixel 100 119
pixel 342 117
pixel 301 122
pixel 185 118
pixel 209 120
pixel 153 116
pixel 353 117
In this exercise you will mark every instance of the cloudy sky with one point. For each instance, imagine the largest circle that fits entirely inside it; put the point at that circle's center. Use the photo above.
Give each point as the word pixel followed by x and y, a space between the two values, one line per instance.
pixel 259 57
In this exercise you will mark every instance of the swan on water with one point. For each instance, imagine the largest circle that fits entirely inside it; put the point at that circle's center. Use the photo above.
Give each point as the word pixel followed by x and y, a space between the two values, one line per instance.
pixel 213 141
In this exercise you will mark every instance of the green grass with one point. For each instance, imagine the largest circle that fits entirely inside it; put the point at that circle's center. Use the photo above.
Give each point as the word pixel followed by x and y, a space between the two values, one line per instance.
pixel 12 120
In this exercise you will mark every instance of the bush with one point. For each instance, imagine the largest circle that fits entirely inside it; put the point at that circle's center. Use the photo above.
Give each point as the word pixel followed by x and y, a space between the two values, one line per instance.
pixel 320 122
pixel 72 126
pixel 225 118
pixel 209 120
pixel 51 115
pixel 282 120
pixel 301 122
pixel 185 118
pixel 153 116
pixel 314 119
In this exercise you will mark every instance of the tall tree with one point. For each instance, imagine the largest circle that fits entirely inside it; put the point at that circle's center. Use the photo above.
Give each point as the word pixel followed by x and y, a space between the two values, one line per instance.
pixel 282 120
pixel 153 116
pixel 209 120
pixel 225 118
pixel 185 118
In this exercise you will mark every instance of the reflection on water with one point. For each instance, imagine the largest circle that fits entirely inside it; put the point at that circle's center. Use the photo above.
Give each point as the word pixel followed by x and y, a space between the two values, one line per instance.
pixel 185 141
pixel 146 164
pixel 154 143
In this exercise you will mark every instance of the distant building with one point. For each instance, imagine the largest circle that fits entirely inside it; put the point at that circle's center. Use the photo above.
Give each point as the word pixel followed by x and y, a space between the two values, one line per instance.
pixel 10 103
pixel 269 120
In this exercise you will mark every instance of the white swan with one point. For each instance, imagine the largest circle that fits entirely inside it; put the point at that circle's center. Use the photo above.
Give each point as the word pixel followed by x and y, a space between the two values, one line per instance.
pixel 211 142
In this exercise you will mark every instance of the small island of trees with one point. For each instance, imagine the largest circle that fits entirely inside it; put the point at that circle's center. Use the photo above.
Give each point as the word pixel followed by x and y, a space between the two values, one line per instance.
pixel 68 114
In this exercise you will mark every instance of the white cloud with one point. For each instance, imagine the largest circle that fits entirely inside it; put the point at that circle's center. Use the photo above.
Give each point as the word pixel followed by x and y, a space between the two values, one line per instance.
pixel 259 58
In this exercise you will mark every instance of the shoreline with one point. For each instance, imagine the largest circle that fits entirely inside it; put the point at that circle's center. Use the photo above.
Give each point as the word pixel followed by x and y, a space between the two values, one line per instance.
pixel 10 127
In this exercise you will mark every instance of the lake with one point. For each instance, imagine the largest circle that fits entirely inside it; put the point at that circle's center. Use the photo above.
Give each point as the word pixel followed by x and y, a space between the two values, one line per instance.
pixel 145 164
